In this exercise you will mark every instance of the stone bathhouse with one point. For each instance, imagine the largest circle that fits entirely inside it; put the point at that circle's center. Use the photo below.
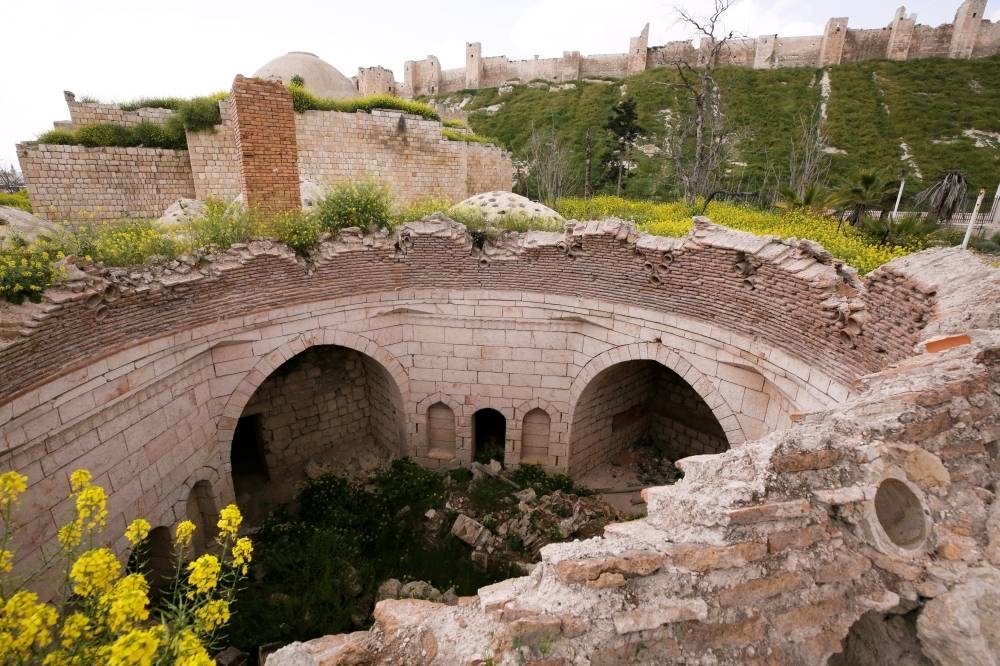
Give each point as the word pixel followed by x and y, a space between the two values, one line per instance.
pixel 262 149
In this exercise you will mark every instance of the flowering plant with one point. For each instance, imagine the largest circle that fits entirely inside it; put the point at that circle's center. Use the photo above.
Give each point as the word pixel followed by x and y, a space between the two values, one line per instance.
pixel 106 613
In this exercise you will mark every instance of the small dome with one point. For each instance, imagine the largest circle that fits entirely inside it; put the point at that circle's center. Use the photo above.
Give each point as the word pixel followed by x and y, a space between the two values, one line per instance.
pixel 321 78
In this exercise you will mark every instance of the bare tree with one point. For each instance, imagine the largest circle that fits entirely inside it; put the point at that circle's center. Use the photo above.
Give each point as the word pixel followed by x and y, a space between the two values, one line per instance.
pixel 11 180
pixel 549 165
pixel 808 164
pixel 699 141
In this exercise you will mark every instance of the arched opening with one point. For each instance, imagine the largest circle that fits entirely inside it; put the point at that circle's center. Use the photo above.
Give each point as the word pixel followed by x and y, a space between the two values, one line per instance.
pixel 535 433
pixel 327 409
pixel 154 557
pixel 440 431
pixel 640 405
pixel 489 435
pixel 200 509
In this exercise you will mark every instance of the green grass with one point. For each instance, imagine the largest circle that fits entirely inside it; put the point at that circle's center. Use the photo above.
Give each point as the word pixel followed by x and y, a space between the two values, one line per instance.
pixel 97 135
pixel 931 102
pixel 18 199
pixel 303 100
pixel 458 135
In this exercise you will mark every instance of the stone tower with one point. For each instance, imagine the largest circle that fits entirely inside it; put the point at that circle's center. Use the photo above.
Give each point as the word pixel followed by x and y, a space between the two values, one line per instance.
pixel 473 64
pixel 638 48
pixel 968 20
pixel 832 49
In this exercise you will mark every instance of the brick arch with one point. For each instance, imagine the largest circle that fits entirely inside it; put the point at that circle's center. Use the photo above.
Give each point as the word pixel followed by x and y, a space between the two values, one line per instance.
pixel 655 351
pixel 271 361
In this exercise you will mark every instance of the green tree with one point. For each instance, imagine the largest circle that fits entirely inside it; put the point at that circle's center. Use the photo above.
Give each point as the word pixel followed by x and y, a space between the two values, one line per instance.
pixel 624 126
pixel 868 190
pixel 945 197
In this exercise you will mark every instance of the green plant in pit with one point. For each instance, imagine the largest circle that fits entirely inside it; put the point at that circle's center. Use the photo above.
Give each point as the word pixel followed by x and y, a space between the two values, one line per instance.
pixel 365 204
pixel 543 483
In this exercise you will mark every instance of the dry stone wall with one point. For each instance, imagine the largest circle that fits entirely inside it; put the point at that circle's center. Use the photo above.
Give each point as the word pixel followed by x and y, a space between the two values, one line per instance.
pixel 81 183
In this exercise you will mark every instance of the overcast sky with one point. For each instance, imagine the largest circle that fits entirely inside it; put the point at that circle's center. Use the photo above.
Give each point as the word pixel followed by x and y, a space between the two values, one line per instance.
pixel 120 50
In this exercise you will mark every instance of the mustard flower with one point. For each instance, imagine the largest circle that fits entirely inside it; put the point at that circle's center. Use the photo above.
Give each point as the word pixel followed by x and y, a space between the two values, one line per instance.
pixel 73 629
pixel 12 485
pixel 211 616
pixel 91 507
pixel 136 648
pixel 137 531
pixel 190 651
pixel 127 603
pixel 6 561
pixel 203 574
pixel 94 572
pixel 79 480
pixel 70 535
pixel 25 625
pixel 229 521
pixel 185 530
pixel 242 552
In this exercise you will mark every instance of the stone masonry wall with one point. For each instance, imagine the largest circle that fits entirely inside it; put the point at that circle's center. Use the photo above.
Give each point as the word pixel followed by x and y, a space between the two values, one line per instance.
pixel 85 113
pixel 406 152
pixel 323 406
pixel 681 423
pixel 81 183
pixel 215 160
pixel 264 127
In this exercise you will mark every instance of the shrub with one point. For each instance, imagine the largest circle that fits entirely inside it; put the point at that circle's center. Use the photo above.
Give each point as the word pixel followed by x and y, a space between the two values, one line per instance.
pixel 420 209
pixel 122 243
pixel 365 204
pixel 27 270
pixel 58 137
pixel 18 199
pixel 104 614
pixel 222 224
pixel 152 103
pixel 303 100
pixel 543 483
pixel 469 137
pixel 296 229
pixel 200 113
pixel 455 123
pixel 98 135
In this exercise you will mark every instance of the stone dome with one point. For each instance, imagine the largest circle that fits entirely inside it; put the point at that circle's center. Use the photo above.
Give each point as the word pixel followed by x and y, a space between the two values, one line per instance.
pixel 498 205
pixel 321 78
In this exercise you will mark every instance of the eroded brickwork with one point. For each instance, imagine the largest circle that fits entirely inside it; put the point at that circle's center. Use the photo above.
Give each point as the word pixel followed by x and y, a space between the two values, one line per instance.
pixel 264 123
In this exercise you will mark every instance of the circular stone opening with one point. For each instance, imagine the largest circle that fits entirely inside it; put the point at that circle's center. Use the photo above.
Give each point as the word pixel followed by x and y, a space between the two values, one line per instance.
pixel 900 514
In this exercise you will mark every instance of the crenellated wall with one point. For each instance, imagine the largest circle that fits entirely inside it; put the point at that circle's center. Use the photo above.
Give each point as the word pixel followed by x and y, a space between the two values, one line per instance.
pixel 142 378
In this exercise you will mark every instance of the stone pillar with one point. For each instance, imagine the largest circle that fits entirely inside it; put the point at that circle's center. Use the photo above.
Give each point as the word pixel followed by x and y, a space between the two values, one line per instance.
pixel 764 56
pixel 638 48
pixel 264 126
pixel 832 49
pixel 900 35
pixel 968 20
pixel 473 65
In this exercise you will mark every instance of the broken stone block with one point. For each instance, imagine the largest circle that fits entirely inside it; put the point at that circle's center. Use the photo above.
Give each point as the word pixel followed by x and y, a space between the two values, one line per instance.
pixel 470 531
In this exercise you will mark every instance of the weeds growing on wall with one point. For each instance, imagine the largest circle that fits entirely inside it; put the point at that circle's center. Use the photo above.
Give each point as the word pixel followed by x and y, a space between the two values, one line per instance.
pixel 366 204
pixel 27 269
pixel 455 123
pixel 303 100
pixel 17 199
pixel 98 135
pixel 104 613
pixel 468 137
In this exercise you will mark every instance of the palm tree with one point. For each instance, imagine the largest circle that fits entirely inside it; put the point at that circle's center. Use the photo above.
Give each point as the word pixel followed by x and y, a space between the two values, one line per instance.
pixel 945 197
pixel 868 190
pixel 814 198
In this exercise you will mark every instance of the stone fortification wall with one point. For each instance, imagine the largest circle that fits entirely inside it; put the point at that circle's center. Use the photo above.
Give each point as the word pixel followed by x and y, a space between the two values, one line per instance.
pixel 970 36
pixel 215 160
pixel 80 183
pixel 85 113
pixel 406 152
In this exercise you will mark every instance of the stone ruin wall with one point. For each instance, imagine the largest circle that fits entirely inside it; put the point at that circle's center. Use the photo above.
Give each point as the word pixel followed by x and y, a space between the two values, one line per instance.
pixel 150 397
pixel 87 113
pixel 406 152
pixel 81 183
pixel 970 36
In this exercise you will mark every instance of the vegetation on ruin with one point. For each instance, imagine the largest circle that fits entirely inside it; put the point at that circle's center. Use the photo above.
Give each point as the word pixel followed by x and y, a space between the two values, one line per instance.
pixel 303 100
pixel 318 565
pixel 99 135
pixel 104 613
pixel 26 270
pixel 455 123
pixel 17 199
pixel 471 137
pixel 366 204
pixel 930 105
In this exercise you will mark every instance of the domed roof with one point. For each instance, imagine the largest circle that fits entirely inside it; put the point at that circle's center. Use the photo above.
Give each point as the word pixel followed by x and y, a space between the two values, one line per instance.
pixel 321 78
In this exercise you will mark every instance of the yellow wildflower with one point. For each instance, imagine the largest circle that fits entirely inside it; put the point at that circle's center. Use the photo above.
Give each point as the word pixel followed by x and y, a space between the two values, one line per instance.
pixel 25 625
pixel 91 507
pixel 137 531
pixel 79 480
pixel 73 629
pixel 136 648
pixel 241 553
pixel 70 535
pixel 127 603
pixel 94 572
pixel 12 485
pixel 190 651
pixel 204 574
pixel 185 530
pixel 229 521
pixel 6 561
pixel 211 616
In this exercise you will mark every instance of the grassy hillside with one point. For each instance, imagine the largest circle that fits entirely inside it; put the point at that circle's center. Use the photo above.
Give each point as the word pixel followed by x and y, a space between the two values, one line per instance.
pixel 873 108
